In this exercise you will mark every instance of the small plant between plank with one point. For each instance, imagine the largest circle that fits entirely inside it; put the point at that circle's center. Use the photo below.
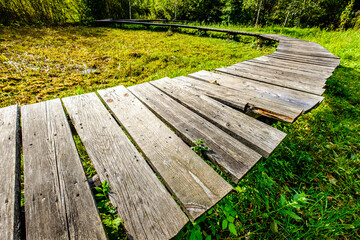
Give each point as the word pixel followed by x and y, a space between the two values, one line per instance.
pixel 200 147
pixel 108 212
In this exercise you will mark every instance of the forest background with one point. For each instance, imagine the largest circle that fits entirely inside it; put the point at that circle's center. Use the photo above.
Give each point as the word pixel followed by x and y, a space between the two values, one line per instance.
pixel 328 14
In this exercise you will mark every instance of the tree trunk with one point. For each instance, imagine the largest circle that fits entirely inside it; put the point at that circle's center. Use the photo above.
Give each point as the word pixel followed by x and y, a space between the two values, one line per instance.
pixel 129 9
pixel 287 16
pixel 175 9
pixel 258 14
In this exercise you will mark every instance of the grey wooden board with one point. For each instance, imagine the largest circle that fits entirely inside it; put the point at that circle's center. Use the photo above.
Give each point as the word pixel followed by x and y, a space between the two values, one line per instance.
pixel 305 101
pixel 299 46
pixel 305 52
pixel 10 173
pixel 272 62
pixel 326 61
pixel 306 48
pixel 251 72
pixel 326 71
pixel 280 74
pixel 303 45
pixel 278 37
pixel 299 86
pixel 232 157
pixel 240 99
pixel 194 183
pixel 148 210
pixel 280 67
pixel 255 134
pixel 302 59
pixel 58 200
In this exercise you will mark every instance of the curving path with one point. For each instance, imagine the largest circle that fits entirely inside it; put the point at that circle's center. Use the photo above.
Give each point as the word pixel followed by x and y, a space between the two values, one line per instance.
pixel 157 183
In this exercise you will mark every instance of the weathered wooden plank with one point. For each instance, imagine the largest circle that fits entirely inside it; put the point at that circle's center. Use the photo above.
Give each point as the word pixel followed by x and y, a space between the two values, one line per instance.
pixel 291 67
pixel 194 183
pixel 10 173
pixel 307 46
pixel 255 134
pixel 326 61
pixel 278 37
pixel 280 74
pixel 326 71
pixel 299 86
pixel 303 51
pixel 58 200
pixel 264 75
pixel 240 99
pixel 302 100
pixel 303 47
pixel 148 210
pixel 231 156
pixel 309 60
pixel 288 69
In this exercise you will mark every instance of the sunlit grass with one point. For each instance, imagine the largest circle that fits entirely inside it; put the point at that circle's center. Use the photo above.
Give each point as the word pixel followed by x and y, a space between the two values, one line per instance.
pixel 320 160
pixel 43 63
pixel 308 189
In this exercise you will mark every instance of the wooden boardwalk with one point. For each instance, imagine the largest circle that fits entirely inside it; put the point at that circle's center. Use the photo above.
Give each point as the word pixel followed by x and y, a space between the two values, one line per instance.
pixel 157 182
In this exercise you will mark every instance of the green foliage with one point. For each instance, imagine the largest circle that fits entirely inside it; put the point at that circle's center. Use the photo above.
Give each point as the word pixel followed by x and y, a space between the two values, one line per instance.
pixel 46 63
pixel 199 147
pixel 310 186
pixel 108 213
pixel 322 13
pixel 345 15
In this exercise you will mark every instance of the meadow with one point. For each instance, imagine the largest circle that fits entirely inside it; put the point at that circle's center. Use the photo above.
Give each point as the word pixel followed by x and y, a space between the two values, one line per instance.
pixel 308 189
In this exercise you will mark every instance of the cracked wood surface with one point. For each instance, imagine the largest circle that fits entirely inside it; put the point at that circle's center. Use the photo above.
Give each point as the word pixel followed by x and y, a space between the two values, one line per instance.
pixel 302 100
pixel 59 203
pixel 232 157
pixel 251 132
pixel 148 210
pixel 191 180
pixel 10 173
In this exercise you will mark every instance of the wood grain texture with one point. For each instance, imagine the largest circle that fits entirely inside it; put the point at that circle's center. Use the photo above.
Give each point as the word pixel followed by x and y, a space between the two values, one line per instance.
pixel 322 60
pixel 305 101
pixel 314 75
pixel 10 173
pixel 317 61
pixel 148 210
pixel 304 51
pixel 194 183
pixel 240 99
pixel 228 154
pixel 255 134
pixel 58 200
pixel 299 86
pixel 281 74
pixel 306 67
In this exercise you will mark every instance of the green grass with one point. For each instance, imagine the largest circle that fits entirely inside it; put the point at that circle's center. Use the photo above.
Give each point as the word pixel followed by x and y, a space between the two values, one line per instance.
pixel 308 189
pixel 43 63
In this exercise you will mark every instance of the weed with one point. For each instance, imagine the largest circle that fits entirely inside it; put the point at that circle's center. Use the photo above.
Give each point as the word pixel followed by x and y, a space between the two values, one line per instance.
pixel 199 147
pixel 112 223
pixel 309 188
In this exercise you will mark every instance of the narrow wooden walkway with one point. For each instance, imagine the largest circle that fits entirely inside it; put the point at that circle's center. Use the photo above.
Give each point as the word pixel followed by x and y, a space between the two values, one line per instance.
pixel 157 182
